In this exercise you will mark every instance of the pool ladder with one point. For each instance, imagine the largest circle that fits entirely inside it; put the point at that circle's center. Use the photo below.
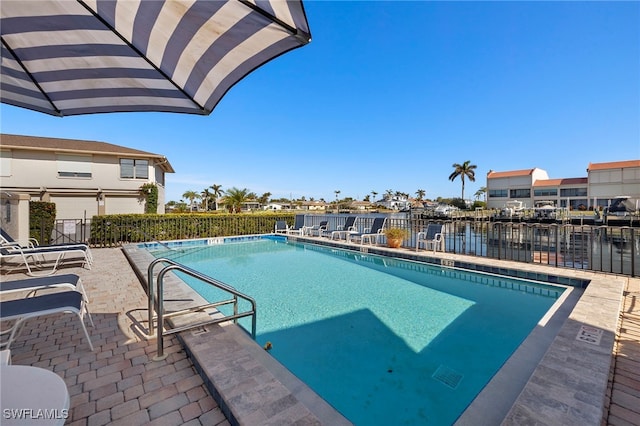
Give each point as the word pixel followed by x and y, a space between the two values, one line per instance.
pixel 156 304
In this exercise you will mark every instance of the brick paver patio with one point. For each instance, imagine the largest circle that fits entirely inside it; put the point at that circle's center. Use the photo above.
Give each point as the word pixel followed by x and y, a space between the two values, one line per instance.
pixel 118 383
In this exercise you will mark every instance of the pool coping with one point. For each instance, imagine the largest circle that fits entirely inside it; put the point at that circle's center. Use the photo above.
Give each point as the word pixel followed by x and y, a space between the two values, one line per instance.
pixel 566 386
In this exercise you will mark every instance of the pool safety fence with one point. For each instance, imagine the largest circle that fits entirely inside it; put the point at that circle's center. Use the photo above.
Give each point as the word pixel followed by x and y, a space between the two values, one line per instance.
pixel 611 249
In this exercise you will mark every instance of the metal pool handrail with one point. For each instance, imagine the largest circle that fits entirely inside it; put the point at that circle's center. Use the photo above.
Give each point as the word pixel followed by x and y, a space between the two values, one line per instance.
pixel 158 301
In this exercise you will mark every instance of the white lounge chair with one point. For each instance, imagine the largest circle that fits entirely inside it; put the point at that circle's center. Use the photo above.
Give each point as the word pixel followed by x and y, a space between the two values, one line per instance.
pixel 40 257
pixel 375 231
pixel 298 226
pixel 431 237
pixel 317 230
pixel 20 310
pixel 8 240
pixel 348 227
pixel 281 227
pixel 33 285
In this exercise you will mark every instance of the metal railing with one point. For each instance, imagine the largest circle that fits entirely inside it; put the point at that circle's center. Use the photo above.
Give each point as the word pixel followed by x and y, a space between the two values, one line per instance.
pixel 611 249
pixel 603 248
pixel 156 304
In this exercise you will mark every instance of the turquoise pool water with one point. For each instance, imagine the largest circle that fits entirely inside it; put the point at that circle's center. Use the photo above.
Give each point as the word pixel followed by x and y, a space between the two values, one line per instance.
pixel 384 341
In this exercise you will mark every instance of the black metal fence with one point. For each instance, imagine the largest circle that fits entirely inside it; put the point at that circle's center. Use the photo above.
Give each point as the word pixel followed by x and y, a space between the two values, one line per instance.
pixel 609 249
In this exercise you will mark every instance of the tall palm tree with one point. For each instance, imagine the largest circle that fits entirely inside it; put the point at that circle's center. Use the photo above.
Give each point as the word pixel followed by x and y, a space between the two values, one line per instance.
pixel 191 195
pixel 374 193
pixel 235 198
pixel 463 170
pixel 337 191
pixel 217 192
pixel 421 193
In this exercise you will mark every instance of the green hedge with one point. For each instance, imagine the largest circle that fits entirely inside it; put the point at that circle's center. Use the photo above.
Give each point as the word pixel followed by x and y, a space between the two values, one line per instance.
pixel 113 230
pixel 42 218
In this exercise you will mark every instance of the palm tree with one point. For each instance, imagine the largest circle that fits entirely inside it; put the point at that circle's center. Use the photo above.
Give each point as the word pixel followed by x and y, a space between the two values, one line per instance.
pixel 191 195
pixel 264 198
pixel 205 197
pixel 337 191
pixel 421 193
pixel 235 198
pixel 217 192
pixel 480 192
pixel 463 170
pixel 374 193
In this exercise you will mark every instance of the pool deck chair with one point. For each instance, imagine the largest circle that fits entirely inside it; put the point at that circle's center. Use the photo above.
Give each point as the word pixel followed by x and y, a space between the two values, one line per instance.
pixel 317 230
pixel 33 285
pixel 431 237
pixel 281 227
pixel 20 310
pixel 16 257
pixel 8 240
pixel 375 231
pixel 298 226
pixel 348 227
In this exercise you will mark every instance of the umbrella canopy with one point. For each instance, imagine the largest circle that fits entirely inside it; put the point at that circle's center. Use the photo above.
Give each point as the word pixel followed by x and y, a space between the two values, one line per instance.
pixel 69 57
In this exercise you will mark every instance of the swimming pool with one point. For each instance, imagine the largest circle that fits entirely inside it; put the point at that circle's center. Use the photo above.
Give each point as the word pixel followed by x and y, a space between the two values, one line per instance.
pixel 384 341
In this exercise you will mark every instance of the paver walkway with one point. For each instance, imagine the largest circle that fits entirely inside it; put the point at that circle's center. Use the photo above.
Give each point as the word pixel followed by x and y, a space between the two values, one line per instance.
pixel 624 391
pixel 118 383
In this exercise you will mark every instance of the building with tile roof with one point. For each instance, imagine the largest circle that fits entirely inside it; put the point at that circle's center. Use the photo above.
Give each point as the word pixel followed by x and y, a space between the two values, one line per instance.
pixel 83 178
pixel 604 182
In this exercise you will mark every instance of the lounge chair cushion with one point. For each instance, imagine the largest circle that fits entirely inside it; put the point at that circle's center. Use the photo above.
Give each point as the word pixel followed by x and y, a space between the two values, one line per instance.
pixel 51 303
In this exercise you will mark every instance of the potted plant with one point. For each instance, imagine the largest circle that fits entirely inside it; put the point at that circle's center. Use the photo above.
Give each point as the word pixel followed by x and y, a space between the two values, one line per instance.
pixel 395 236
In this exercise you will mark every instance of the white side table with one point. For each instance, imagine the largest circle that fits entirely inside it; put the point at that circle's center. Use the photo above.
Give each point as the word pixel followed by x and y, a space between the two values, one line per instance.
pixel 32 396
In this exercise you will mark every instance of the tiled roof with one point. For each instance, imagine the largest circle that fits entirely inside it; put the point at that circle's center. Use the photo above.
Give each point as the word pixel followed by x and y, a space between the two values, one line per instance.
pixel 560 182
pixel 613 165
pixel 511 173
pixel 38 143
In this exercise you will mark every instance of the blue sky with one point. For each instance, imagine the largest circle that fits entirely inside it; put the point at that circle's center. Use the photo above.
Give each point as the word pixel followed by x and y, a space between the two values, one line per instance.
pixel 388 95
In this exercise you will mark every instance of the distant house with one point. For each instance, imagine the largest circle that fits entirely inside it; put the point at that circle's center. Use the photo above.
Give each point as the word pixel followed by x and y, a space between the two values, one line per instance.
pixel 83 178
pixel 603 183
pixel 395 202
pixel 314 205
pixel 360 205
pixel 273 206
pixel 247 206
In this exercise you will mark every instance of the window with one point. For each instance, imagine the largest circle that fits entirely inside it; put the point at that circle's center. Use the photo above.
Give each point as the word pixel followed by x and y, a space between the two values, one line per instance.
pixel 573 192
pixel 545 192
pixel 74 166
pixel 134 169
pixel 520 193
pixel 497 193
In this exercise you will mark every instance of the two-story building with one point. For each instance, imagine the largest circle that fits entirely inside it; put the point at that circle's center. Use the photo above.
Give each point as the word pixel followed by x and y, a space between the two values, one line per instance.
pixel 83 178
pixel 604 182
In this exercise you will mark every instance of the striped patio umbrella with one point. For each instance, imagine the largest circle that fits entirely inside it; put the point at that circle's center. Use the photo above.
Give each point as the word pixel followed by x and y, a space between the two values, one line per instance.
pixel 69 57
